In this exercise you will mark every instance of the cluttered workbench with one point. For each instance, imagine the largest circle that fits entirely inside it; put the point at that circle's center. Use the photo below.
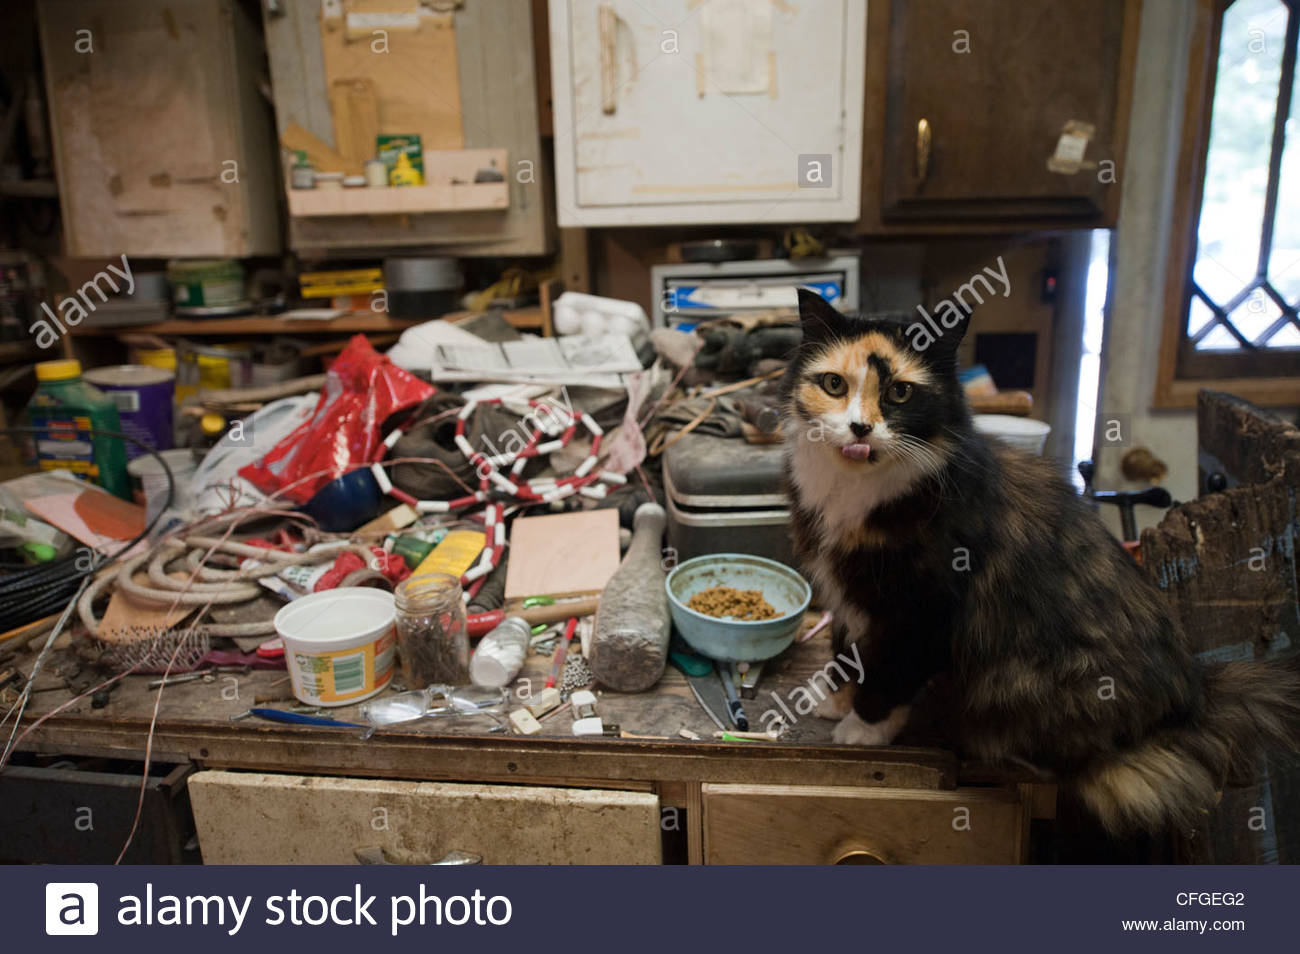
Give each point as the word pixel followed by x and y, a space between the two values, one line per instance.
pixel 798 799
pixel 273 643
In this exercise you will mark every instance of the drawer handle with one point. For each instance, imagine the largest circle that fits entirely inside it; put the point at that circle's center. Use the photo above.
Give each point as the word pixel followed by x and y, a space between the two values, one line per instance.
pixel 608 65
pixel 861 856
pixel 375 855
pixel 924 136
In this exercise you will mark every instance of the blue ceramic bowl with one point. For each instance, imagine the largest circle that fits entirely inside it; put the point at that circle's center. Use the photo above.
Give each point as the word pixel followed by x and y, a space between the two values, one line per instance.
pixel 346 502
pixel 734 640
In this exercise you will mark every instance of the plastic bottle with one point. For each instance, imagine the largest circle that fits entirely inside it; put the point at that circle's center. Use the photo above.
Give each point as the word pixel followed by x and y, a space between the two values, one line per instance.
pixel 64 409
pixel 403 173
pixel 500 654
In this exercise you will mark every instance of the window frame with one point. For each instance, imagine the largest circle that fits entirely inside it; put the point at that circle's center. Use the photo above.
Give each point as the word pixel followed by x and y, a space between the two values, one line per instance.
pixel 1263 377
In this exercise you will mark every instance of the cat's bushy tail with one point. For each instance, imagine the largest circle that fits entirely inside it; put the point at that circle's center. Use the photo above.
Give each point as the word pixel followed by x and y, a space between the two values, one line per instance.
pixel 1174 777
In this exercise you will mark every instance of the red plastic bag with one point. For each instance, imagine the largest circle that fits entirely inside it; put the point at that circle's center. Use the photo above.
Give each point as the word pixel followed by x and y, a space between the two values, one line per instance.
pixel 362 388
pixel 393 568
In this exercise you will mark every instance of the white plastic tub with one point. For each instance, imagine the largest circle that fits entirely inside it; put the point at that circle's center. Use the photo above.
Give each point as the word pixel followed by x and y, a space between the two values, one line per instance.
pixel 338 644
pixel 1022 432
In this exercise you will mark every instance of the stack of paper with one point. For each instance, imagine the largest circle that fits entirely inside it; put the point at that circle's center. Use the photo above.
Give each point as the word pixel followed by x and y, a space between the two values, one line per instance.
pixel 592 360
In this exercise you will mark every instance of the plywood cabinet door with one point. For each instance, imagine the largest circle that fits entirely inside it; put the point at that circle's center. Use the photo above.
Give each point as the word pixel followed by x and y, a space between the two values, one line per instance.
pixel 163 140
pixel 978 95
pixel 672 111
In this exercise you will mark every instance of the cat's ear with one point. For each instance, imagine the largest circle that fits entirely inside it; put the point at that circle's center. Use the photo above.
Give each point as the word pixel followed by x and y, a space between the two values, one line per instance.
pixel 940 330
pixel 819 320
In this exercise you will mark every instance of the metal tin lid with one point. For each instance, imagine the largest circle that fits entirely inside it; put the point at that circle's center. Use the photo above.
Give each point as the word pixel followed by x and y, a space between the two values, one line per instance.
pixel 421 274
pixel 708 471
pixel 128 376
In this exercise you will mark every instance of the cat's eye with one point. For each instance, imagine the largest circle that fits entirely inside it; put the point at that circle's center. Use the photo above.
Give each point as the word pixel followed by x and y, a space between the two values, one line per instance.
pixel 834 385
pixel 898 392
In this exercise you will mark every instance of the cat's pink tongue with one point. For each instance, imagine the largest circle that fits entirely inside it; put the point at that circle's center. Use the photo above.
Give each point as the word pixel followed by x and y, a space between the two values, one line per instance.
pixel 860 451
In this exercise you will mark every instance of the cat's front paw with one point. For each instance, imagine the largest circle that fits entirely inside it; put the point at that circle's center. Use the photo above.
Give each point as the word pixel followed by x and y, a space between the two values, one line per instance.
pixel 837 705
pixel 852 730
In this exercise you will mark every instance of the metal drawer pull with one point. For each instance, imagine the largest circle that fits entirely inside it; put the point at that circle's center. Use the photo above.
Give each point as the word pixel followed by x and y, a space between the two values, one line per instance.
pixel 860 856
pixel 923 139
pixel 375 855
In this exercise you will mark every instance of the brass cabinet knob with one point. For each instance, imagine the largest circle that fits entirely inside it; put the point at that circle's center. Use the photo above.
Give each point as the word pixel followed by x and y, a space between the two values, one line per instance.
pixel 924 135
pixel 861 856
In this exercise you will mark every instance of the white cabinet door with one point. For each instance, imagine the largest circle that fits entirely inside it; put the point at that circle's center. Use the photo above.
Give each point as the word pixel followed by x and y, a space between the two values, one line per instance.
pixel 677 112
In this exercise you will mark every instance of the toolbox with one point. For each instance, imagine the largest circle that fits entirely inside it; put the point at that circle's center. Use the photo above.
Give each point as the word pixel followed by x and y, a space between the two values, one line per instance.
pixel 725 496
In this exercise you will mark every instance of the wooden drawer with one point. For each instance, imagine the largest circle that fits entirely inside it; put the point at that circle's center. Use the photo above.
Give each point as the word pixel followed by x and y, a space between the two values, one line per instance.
pixel 80 811
pixel 813 825
pixel 246 818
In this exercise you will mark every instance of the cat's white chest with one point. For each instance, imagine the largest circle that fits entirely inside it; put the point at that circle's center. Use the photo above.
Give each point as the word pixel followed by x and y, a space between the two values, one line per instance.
pixel 843 500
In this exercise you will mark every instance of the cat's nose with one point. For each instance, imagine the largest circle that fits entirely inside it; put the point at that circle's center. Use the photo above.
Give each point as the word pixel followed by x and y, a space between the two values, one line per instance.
pixel 860 430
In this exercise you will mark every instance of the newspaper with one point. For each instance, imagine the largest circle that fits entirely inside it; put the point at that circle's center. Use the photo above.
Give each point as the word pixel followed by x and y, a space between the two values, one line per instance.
pixel 592 360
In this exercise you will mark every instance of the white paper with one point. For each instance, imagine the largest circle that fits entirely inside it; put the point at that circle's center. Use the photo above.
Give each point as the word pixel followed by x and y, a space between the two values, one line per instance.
pixel 737 41
pixel 594 360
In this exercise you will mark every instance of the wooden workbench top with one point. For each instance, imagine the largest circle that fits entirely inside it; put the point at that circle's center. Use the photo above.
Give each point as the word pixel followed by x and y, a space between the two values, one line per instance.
pixel 194 724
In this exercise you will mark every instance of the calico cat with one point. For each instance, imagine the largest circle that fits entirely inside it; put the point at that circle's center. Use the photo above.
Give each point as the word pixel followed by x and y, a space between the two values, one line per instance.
pixel 943 553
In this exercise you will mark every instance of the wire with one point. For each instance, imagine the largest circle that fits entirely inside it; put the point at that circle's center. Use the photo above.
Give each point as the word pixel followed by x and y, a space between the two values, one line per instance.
pixel 34 593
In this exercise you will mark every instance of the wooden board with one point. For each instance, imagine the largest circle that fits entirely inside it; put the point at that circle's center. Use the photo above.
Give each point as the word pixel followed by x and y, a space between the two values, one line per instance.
pixel 245 819
pixel 322 156
pixel 362 322
pixel 1244 443
pixel 565 554
pixel 356 121
pixel 194 724
pixel 1227 562
pixel 412 72
pixel 406 200
pixel 806 825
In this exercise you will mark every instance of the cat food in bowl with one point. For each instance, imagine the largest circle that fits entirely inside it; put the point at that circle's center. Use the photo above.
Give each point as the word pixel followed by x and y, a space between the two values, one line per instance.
pixel 706 580
pixel 727 602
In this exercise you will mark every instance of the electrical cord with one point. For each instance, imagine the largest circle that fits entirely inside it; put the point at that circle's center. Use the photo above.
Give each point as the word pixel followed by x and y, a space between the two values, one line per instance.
pixel 36 592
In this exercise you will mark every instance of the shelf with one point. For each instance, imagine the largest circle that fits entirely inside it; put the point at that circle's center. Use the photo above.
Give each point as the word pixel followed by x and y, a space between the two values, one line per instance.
pixel 30 188
pixel 399 200
pixel 360 322
pixel 449 187
pixel 17 350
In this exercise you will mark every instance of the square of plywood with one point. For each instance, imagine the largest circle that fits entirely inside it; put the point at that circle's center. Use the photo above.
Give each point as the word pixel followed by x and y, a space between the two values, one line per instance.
pixel 564 554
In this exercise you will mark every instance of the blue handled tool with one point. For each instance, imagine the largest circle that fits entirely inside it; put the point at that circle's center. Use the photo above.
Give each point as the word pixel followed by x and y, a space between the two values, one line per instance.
pixel 297 718
pixel 733 698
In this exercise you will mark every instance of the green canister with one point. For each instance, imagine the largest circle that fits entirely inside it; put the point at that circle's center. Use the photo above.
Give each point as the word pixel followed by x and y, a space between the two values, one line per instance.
pixel 64 410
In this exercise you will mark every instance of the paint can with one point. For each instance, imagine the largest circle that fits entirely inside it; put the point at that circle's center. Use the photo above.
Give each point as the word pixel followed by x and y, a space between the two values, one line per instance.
pixel 206 283
pixel 149 481
pixel 144 397
pixel 211 368
pixel 338 644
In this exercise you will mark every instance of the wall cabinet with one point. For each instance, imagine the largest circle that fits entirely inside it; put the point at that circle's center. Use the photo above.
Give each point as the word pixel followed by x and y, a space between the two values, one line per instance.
pixel 735 111
pixel 162 139
pixel 968 110
pixel 459 75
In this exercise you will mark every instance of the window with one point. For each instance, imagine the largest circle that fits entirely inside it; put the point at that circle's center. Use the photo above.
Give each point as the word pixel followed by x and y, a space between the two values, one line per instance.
pixel 1234 284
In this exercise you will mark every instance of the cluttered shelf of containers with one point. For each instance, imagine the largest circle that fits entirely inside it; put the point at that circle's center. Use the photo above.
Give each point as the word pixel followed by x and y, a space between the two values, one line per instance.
pixel 473 529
